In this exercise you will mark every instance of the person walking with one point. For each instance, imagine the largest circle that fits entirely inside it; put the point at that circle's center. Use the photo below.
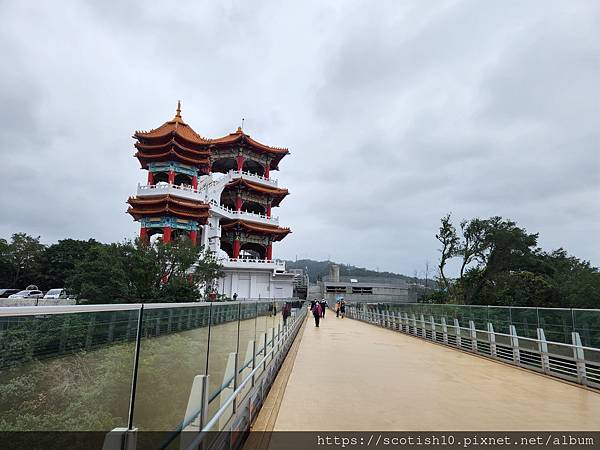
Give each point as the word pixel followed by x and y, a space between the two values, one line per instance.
pixel 323 307
pixel 343 308
pixel 286 312
pixel 235 297
pixel 316 310
pixel 337 309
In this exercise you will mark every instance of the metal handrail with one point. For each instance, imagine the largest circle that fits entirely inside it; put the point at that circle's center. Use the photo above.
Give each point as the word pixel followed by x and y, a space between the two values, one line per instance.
pixel 211 423
pixel 13 311
pixel 496 333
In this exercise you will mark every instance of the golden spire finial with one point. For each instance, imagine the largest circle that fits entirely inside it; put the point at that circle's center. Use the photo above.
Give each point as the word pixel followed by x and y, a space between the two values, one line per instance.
pixel 178 111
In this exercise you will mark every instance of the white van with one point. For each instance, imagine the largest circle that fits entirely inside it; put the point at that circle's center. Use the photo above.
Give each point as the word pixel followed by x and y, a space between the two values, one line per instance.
pixel 56 293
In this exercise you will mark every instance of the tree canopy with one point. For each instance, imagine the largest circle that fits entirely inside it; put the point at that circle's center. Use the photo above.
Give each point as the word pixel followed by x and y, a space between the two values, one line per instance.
pixel 130 271
pixel 501 264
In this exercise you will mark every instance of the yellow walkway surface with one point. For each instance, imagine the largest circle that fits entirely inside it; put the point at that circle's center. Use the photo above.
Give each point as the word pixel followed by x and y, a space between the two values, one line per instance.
pixel 352 376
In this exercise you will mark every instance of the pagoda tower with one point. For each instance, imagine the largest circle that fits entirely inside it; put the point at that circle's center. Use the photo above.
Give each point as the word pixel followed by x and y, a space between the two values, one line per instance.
pixel 250 193
pixel 174 156
pixel 218 193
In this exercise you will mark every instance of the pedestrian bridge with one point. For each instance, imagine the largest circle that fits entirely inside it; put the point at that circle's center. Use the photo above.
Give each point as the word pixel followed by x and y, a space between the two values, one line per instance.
pixel 350 375
pixel 202 374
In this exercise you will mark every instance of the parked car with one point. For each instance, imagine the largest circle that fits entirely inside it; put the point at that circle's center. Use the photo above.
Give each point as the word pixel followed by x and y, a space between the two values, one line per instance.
pixel 27 293
pixel 56 293
pixel 4 293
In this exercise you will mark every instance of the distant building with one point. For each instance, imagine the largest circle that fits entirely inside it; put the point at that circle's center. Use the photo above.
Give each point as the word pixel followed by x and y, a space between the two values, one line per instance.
pixel 363 289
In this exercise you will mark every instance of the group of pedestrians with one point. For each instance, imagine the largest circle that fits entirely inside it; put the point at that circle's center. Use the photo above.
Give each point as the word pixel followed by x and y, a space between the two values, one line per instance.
pixel 318 309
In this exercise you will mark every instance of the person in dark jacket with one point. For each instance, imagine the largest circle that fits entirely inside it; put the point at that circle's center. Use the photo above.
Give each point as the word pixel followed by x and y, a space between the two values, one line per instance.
pixel 323 307
pixel 316 310
pixel 286 312
pixel 342 308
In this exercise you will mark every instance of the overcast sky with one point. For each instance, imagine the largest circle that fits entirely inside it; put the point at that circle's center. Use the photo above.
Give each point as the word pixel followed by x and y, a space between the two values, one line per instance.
pixel 395 113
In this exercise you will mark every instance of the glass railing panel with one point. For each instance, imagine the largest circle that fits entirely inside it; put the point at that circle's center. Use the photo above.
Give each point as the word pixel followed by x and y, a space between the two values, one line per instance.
pixel 499 317
pixel 68 371
pixel 173 353
pixel 587 324
pixel 262 311
pixel 464 314
pixel 223 343
pixel 479 315
pixel 557 324
pixel 247 334
pixel 525 321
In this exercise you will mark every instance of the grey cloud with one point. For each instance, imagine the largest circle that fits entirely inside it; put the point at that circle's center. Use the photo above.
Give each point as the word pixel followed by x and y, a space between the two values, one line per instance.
pixel 395 114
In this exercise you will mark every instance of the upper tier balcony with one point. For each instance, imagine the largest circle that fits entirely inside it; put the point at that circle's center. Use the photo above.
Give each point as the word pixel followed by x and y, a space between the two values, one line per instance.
pixel 201 195
pixel 242 215
pixel 235 174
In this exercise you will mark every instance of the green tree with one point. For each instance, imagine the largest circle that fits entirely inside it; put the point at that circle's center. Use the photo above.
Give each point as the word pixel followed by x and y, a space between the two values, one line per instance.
pixel 22 257
pixel 450 243
pixel 60 259
pixel 100 277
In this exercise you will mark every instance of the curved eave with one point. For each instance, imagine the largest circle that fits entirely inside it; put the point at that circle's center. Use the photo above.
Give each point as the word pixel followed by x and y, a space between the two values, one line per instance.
pixel 168 200
pixel 251 227
pixel 203 151
pixel 273 192
pixel 171 128
pixel 170 155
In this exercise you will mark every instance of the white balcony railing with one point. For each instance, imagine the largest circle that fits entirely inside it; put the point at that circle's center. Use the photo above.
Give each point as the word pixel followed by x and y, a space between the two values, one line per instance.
pixel 196 194
pixel 234 174
pixel 164 188
pixel 244 215
pixel 274 264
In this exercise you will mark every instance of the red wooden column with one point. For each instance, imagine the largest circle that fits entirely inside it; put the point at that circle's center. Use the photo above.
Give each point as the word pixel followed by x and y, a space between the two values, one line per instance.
pixel 171 177
pixel 193 237
pixel 195 182
pixel 144 235
pixel 269 252
pixel 166 235
pixel 240 162
pixel 238 203
pixel 267 171
pixel 236 247
pixel 269 210
pixel 150 178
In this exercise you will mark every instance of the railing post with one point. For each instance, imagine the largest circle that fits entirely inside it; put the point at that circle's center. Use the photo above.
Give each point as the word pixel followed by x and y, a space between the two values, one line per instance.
pixel 422 323
pixel 204 400
pixel 414 324
pixel 473 335
pixel 236 379
pixel 265 353
pixel 514 344
pixel 579 356
pixel 457 328
pixel 445 330
pixel 273 343
pixel 491 339
pixel 543 348
pixel 405 322
pixel 433 332
pixel 279 337
pixel 253 360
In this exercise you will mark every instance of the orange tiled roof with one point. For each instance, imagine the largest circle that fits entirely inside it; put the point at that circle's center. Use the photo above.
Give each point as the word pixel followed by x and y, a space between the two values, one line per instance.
pixel 176 126
pixel 240 136
pixel 277 232
pixel 168 205
pixel 272 191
